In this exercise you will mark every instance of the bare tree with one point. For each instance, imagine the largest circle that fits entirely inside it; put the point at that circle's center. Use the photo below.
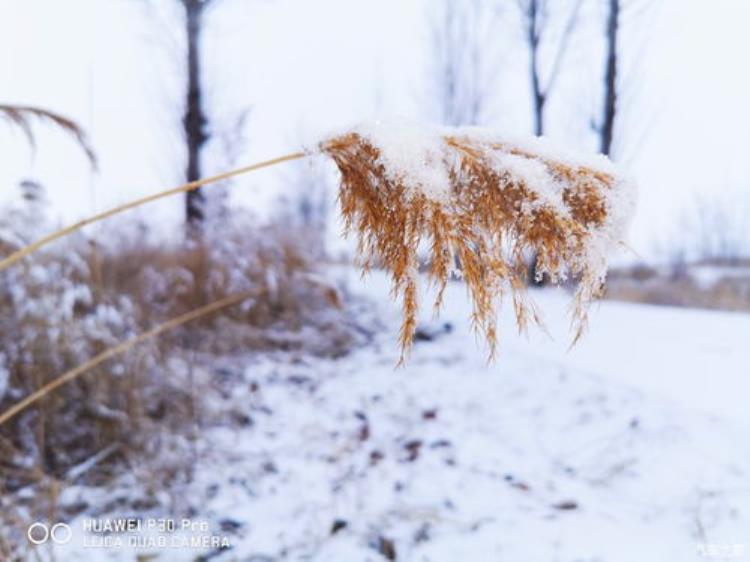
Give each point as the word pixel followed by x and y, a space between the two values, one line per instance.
pixel 610 79
pixel 536 17
pixel 622 121
pixel 202 133
pixel 194 119
pixel 461 73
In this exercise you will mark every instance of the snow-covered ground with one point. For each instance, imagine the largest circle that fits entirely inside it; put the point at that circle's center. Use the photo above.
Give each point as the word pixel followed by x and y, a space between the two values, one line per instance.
pixel 632 446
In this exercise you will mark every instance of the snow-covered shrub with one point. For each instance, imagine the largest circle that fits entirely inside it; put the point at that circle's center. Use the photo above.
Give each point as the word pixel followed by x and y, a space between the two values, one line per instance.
pixel 53 317
pixel 72 300
pixel 481 204
pixel 274 263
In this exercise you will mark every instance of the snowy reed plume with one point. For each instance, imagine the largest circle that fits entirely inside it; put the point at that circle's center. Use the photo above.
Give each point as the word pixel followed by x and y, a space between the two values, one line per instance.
pixel 479 205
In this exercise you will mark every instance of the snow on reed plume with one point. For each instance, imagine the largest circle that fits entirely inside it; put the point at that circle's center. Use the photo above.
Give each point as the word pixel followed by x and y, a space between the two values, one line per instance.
pixel 481 204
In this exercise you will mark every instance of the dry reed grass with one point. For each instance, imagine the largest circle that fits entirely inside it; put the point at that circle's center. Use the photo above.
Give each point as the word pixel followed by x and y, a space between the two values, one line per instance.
pixel 22 116
pixel 145 398
pixel 483 229
pixel 496 212
pixel 119 349
pixel 265 267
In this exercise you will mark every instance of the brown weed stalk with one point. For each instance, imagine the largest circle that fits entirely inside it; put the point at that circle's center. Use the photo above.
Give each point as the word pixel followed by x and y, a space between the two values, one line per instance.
pixel 22 115
pixel 483 230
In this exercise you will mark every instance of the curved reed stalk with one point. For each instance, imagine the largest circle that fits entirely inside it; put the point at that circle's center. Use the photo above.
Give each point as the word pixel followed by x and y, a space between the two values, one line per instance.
pixel 31 248
pixel 119 350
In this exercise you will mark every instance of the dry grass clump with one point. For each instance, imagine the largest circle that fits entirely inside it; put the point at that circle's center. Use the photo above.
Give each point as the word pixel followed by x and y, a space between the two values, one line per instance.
pixel 269 264
pixel 79 299
pixel 479 206
pixel 68 306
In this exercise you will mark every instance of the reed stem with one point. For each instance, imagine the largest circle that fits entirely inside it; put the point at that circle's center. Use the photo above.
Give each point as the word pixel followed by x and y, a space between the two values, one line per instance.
pixel 31 248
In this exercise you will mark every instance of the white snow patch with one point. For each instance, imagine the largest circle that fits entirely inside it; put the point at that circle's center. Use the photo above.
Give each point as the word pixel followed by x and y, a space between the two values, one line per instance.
pixel 536 176
pixel 546 455
pixel 411 155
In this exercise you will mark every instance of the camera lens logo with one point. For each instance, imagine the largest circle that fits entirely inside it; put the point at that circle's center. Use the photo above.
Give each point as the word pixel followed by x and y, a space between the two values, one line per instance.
pixel 40 533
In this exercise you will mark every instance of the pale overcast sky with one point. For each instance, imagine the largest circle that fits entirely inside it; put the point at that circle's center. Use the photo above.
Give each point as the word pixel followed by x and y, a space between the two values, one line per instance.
pixel 305 67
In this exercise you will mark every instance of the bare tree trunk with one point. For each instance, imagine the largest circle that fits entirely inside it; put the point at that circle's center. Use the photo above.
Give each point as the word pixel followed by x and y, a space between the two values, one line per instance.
pixel 538 97
pixel 194 120
pixel 610 79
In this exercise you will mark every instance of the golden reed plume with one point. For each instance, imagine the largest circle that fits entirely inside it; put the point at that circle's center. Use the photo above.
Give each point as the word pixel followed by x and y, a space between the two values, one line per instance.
pixel 477 207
